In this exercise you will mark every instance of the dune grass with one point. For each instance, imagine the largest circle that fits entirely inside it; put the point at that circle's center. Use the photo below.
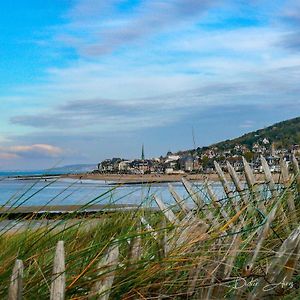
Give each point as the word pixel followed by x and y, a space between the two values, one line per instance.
pixel 243 246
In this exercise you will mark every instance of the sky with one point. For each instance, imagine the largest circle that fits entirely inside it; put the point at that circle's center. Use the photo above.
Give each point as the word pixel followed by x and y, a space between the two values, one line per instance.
pixel 85 80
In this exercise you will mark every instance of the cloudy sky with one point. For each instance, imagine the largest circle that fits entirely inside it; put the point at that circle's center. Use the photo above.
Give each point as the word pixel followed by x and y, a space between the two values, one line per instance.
pixel 83 80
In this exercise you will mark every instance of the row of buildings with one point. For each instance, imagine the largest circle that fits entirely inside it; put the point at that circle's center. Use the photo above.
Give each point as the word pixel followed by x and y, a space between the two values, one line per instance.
pixel 201 160
pixel 171 164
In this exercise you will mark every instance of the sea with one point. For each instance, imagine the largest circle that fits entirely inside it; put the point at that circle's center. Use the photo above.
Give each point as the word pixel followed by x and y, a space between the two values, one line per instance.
pixel 17 190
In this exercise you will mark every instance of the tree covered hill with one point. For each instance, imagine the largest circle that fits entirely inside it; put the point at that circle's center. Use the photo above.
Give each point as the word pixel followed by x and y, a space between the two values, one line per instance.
pixel 283 135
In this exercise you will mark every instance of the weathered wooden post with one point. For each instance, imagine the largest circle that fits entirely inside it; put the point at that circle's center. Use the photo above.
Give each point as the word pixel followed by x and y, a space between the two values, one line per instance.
pixel 227 189
pixel 101 288
pixel 216 203
pixel 58 276
pixel 166 211
pixel 164 247
pixel 252 184
pixel 192 193
pixel 16 282
pixel 285 178
pixel 180 202
pixel 135 248
pixel 296 172
pixel 197 199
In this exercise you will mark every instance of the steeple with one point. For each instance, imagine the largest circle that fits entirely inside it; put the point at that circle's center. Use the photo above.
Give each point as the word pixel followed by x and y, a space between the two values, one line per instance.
pixel 143 154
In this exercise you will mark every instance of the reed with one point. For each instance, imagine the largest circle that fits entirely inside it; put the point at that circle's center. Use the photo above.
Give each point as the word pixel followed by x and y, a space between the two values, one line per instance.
pixel 243 246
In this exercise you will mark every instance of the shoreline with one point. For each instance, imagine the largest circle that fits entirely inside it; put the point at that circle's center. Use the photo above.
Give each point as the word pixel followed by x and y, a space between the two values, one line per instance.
pixel 157 178
pixel 50 211
pixel 112 179
pixel 140 179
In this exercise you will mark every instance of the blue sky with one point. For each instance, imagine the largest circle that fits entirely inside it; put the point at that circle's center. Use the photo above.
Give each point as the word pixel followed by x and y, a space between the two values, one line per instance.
pixel 83 80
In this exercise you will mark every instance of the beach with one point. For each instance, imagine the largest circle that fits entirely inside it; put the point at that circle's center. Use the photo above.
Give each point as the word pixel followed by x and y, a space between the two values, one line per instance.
pixel 156 178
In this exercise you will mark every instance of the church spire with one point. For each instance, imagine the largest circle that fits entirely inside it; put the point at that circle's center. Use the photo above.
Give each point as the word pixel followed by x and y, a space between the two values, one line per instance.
pixel 143 154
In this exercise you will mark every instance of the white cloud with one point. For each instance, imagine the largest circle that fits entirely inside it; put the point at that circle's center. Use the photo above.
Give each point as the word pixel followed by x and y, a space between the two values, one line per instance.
pixel 32 151
pixel 8 156
pixel 247 124
pixel 160 81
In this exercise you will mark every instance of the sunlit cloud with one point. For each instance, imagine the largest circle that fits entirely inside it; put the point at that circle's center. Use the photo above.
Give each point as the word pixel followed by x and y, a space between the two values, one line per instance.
pixel 8 156
pixel 32 151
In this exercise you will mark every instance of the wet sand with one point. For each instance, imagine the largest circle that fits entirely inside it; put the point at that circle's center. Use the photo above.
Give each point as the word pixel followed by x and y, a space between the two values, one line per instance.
pixel 146 178
pixel 53 210
pixel 156 178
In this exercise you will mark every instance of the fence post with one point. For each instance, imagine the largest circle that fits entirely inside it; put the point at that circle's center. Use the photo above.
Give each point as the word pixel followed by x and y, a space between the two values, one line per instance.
pixel 16 282
pixel 166 211
pixel 180 202
pixel 135 249
pixel 58 276
pixel 101 288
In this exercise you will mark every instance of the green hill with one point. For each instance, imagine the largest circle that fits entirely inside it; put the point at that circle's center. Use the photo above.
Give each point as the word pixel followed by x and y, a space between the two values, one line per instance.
pixel 283 135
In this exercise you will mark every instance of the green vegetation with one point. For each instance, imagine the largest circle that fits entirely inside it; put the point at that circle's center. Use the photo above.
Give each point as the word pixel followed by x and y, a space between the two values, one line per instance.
pixel 283 135
pixel 246 244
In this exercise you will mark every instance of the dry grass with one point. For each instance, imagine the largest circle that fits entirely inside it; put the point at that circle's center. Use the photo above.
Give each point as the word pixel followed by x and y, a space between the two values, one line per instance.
pixel 246 246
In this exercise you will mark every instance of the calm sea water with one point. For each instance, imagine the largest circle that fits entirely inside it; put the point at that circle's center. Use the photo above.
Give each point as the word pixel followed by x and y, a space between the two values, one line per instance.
pixel 73 192
pixel 26 173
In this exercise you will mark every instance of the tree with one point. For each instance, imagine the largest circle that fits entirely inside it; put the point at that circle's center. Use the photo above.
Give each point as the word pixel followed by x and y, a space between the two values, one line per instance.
pixel 249 156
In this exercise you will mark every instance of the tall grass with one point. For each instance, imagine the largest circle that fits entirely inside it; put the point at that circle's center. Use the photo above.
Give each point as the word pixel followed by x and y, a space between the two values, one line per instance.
pixel 243 246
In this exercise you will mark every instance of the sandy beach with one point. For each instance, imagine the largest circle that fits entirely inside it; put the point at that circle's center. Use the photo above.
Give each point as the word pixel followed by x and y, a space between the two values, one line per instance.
pixel 146 178
pixel 156 178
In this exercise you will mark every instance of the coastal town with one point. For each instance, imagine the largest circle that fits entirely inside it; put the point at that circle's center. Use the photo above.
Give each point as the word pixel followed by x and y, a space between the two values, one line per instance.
pixel 201 160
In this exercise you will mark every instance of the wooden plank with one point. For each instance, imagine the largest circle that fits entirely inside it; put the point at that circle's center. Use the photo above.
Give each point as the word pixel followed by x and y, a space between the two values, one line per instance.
pixel 135 249
pixel 268 177
pixel 207 215
pixel 16 281
pixel 181 203
pixel 224 265
pixel 234 177
pixel 238 185
pixel 190 234
pixel 240 189
pixel 250 179
pixel 252 184
pixel 212 196
pixel 284 170
pixel 106 271
pixel 263 233
pixel 278 264
pixel 229 193
pixel 285 178
pixel 295 165
pixel 58 283
pixel 166 211
pixel 232 254
pixel 192 193
pixel 273 189
pixel 216 203
pixel 223 180
pixel 296 172
pixel 164 245
pixel 189 231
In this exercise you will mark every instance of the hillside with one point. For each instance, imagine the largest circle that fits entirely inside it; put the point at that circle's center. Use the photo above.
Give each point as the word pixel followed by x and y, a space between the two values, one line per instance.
pixel 283 135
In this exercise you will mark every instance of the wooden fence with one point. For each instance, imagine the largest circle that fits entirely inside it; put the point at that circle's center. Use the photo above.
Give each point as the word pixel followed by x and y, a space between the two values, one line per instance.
pixel 58 283
pixel 197 224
